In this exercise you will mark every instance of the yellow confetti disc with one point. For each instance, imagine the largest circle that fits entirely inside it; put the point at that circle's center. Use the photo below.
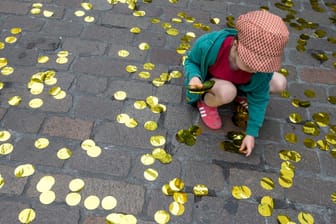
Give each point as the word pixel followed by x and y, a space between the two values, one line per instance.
pixel 161 217
pixel 285 182
pixel 50 81
pixel 37 5
pixel 166 190
pixel 159 108
pixel 175 74
pixel 109 203
pixel 333 153
pixel 131 123
pixel 43 59
pixel 241 192
pixel 291 138
pixel 149 66
pixel 305 218
pixel 4 135
pixel 265 210
pixel 41 143
pixel 140 104
pixel 35 11
pixel 27 216
pixel 3 62
pixel 330 138
pixel 215 20
pixel 16 30
pixel 62 60
pixel 158 82
pixel 135 30
pixel 144 74
pixel 64 153
pixel 87 5
pixel 45 184
pixel 284 219
pixel 60 95
pixel 14 100
pixel 131 68
pixel 73 199
pixel 36 87
pixel 267 183
pixel 2 45
pixel 94 152
pixel 332 197
pixel 91 202
pixel 89 19
pixel 309 143
pixel 157 140
pixel 120 95
pixel 200 190
pixel 10 39
pixel 1 85
pixel 79 13
pixel 47 197
pixel 150 125
pixel 267 200
pixel 2 181
pixel 172 32
pixel 295 118
pixel 176 208
pixel 155 20
pixel 63 54
pixel 24 170
pixel 122 118
pixel 331 99
pixel 151 174
pixel 76 185
pixel 35 103
pixel 119 218
pixel 176 184
pixel 147 159
pixel 159 153
pixel 48 13
pixel 7 70
pixel 180 197
pixel 144 46
pixel 6 148
pixel 55 90
pixel 88 144
pixel 139 13
pixel 123 53
pixel 321 118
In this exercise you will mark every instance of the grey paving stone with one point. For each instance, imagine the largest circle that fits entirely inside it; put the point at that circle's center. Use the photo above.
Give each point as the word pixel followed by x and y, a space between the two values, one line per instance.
pixel 12 185
pixel 24 22
pixel 119 134
pixel 106 34
pixel 33 40
pixel 17 8
pixel 170 93
pixel 91 84
pixel 19 56
pixel 69 4
pixel 111 163
pixel 83 47
pixel 164 56
pixel 63 28
pixel 135 54
pixel 23 121
pixel 126 21
pixel 328 164
pixel 88 107
pixel 10 210
pixel 56 213
pixel 67 127
pixel 25 152
pixel 325 76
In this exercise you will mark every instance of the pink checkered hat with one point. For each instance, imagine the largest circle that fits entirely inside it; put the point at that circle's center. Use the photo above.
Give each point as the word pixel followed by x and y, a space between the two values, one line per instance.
pixel 262 37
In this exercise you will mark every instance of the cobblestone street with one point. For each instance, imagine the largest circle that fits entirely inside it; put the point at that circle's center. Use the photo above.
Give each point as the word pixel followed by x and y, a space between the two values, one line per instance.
pixel 85 96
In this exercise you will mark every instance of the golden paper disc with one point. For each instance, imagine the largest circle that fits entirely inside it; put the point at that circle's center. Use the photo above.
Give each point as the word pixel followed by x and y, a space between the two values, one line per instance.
pixel 87 5
pixel 144 46
pixel 89 19
pixel 64 153
pixel 150 125
pixel 6 148
pixel 73 199
pixel 35 103
pixel 267 183
pixel 305 218
pixel 94 152
pixel 159 153
pixel 10 39
pixel 50 81
pixel 4 136
pixel 48 13
pixel 35 11
pixel 63 54
pixel 47 197
pixel 285 182
pixel 241 192
pixel 284 219
pixel 43 59
pixel 7 70
pixel 2 181
pixel 147 159
pixel 109 203
pixel 79 13
pixel 122 118
pixel 265 210
pixel 161 217
pixel 60 95
pixel 180 197
pixel 151 174
pixel 27 216
pixel 176 208
pixel 2 85
pixel 139 13
pixel 3 62
pixel 140 104
pixel 16 30
pixel 55 90
pixel 36 87
pixel 144 75
pixel 76 185
pixel 131 68
pixel 91 202
pixel 45 184
pixel 88 144
pixel 176 184
pixel 120 95
pixel 62 60
pixel 157 140
pixel 166 190
pixel 135 30
pixel 2 46
pixel 200 190
pixel 24 170
pixel 123 53
pixel 172 32
pixel 131 123
pixel 14 100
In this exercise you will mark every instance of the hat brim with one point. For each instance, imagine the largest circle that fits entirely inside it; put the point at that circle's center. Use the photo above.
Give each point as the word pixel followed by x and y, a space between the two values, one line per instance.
pixel 259 63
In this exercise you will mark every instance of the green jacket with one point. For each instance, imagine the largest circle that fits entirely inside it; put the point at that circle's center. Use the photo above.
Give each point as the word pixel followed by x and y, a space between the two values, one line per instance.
pixel 204 54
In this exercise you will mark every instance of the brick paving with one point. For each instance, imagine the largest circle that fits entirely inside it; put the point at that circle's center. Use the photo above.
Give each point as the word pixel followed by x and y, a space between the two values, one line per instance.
pixel 93 74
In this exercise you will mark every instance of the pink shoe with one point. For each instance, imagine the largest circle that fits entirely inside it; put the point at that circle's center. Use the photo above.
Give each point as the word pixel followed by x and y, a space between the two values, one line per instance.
pixel 209 115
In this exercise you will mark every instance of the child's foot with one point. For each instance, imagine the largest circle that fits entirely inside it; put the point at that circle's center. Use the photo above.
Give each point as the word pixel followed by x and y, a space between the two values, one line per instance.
pixel 209 115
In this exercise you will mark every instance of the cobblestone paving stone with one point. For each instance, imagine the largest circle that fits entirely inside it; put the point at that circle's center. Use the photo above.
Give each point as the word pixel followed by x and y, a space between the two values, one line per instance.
pixel 95 71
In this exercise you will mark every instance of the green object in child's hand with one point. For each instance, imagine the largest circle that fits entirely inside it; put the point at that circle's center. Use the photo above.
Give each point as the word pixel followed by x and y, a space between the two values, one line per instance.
pixel 207 85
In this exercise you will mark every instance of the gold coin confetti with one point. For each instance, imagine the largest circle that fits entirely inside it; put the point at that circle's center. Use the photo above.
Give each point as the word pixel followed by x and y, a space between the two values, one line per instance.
pixel 333 197
pixel 309 143
pixel 161 217
pixel 157 140
pixel 10 39
pixel 60 95
pixel 123 53
pixel 6 148
pixel 42 59
pixel 89 19
pixel 88 144
pixel 79 13
pixel 150 125
pixel 131 123
pixel 144 46
pixel 48 13
pixel 73 199
pixel 14 100
pixel 35 11
pixel 94 152
pixel 4 136
pixel 122 118
pixel 151 174
pixel 176 208
pixel 2 45
pixel 45 184
pixel 140 104
pixel 172 32
pixel 120 95
pixel 267 183
pixel 3 62
pixel 47 197
pixel 135 30
pixel 55 90
pixel 1 85
pixel 144 75
pixel 2 181
pixel 149 66
pixel 305 218
pixel 109 203
pixel 295 118
pixel 35 103
pixel 91 202
pixel 76 184
pixel 332 99
pixel 24 170
pixel 176 184
pixel 27 216
pixel 291 138
pixel 7 70
pixel 15 30
pixel 284 219
pixel 147 159
pixel 321 118
pixel 166 190
pixel 62 60
pixel 200 190
pixel 159 153
pixel 131 68
pixel 241 192
pixel 180 197
pixel 64 153
pixel 87 5
pixel 119 218
pixel 139 13
pixel 309 93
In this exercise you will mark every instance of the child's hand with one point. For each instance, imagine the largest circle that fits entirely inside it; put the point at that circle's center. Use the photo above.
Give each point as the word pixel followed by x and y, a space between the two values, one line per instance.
pixel 195 83
pixel 247 145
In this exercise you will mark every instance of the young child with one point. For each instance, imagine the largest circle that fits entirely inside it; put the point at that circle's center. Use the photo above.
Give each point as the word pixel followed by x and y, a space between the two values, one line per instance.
pixel 244 59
